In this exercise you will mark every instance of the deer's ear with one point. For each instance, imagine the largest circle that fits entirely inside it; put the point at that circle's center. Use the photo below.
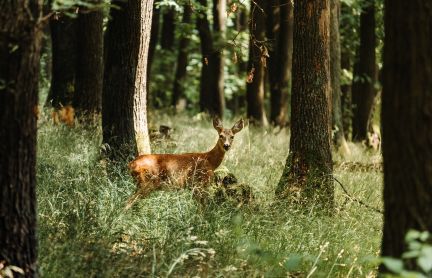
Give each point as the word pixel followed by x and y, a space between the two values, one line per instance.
pixel 237 126
pixel 217 124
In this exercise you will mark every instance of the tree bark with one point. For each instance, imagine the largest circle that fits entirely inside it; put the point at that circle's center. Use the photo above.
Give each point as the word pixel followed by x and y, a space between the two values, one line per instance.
pixel 168 28
pixel 307 178
pixel 335 73
pixel 20 45
pixel 89 70
pixel 406 122
pixel 280 33
pixel 182 60
pixel 258 54
pixel 64 60
pixel 124 113
pixel 363 90
pixel 211 92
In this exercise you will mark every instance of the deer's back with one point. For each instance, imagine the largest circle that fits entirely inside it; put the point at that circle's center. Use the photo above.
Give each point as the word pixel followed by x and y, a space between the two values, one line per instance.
pixel 170 165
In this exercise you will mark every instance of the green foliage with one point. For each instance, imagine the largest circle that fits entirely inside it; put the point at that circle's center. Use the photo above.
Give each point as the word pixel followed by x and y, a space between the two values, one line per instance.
pixel 84 232
pixel 419 251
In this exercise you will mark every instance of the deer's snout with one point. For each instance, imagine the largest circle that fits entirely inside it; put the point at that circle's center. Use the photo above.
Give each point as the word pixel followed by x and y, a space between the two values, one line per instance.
pixel 226 146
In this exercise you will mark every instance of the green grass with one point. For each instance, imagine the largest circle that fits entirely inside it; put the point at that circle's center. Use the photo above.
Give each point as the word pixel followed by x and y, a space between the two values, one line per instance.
pixel 84 231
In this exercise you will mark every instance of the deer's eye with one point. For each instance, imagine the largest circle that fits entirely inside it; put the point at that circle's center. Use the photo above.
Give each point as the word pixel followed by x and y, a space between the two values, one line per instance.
pixel 221 136
pixel 232 137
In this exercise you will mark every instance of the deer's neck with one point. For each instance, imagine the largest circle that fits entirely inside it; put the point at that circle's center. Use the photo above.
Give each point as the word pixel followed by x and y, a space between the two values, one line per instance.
pixel 215 156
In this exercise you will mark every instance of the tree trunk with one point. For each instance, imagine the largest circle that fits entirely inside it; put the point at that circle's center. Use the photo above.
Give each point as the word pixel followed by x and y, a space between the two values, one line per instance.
pixel 406 122
pixel 307 174
pixel 89 70
pixel 346 97
pixel 168 28
pixel 124 113
pixel 152 49
pixel 20 45
pixel 363 90
pixel 255 90
pixel 335 73
pixel 219 28
pixel 280 32
pixel 182 60
pixel 211 94
pixel 64 60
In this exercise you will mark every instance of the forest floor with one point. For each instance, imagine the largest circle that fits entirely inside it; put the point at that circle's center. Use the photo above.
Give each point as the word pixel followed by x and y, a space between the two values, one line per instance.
pixel 84 232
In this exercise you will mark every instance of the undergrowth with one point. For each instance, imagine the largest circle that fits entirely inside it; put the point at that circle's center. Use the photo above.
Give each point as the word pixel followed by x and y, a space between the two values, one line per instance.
pixel 83 230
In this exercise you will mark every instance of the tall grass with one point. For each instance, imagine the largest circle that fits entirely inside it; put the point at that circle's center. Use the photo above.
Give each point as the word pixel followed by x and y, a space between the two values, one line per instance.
pixel 84 231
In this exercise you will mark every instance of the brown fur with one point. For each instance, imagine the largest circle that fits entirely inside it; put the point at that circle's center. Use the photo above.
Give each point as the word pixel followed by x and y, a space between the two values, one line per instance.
pixel 151 171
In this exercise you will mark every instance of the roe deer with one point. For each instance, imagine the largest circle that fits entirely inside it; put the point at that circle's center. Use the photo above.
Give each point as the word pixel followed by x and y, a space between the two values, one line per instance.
pixel 151 170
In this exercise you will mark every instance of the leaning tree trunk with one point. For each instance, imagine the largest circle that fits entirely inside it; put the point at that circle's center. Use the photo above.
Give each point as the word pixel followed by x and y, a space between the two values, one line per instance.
pixel 124 113
pixel 258 53
pixel 89 70
pixel 211 93
pixel 363 90
pixel 280 32
pixel 64 55
pixel 182 60
pixel 20 45
pixel 407 122
pixel 335 73
pixel 307 174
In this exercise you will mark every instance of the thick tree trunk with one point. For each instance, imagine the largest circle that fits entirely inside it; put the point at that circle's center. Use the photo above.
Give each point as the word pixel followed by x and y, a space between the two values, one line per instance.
pixel 64 60
pixel 280 32
pixel 182 60
pixel 407 122
pixel 335 73
pixel 307 174
pixel 211 92
pixel 363 90
pixel 124 113
pixel 168 28
pixel 89 70
pixel 20 45
pixel 255 90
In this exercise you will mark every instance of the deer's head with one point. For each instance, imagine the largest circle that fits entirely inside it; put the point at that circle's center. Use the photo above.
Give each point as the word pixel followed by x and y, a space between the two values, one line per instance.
pixel 226 136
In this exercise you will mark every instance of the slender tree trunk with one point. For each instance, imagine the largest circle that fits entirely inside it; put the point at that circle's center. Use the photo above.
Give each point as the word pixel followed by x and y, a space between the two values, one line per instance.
pixel 64 60
pixel 335 73
pixel 346 96
pixel 211 95
pixel 89 70
pixel 307 174
pixel 182 60
pixel 219 28
pixel 406 122
pixel 168 28
pixel 237 101
pixel 124 113
pixel 255 90
pixel 280 32
pixel 153 37
pixel 363 91
pixel 20 45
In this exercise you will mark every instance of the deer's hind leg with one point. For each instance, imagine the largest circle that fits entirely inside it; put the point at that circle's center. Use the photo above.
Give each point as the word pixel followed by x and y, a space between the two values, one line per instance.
pixel 146 183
